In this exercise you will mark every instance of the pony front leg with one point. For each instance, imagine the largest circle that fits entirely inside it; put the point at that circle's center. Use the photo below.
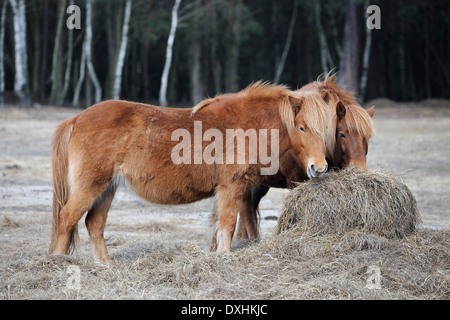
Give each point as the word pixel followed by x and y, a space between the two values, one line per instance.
pixel 229 199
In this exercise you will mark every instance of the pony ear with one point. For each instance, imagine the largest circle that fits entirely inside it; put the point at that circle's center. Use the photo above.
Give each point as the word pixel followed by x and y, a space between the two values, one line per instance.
pixel 296 104
pixel 371 111
pixel 340 110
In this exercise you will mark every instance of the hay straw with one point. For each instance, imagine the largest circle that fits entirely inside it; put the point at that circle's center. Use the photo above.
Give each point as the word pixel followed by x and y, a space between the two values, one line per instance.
pixel 371 201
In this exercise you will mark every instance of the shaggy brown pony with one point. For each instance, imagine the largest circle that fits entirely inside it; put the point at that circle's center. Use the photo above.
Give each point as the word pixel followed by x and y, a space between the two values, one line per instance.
pixel 138 143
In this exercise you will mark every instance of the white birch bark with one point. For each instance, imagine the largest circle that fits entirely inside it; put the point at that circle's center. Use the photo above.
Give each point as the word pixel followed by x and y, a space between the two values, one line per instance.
pixel 76 95
pixel 2 54
pixel 366 56
pixel 167 65
pixel 20 46
pixel 122 51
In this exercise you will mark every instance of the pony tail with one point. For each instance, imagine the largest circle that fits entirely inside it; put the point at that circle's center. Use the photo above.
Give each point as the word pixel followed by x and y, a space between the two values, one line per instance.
pixel 60 169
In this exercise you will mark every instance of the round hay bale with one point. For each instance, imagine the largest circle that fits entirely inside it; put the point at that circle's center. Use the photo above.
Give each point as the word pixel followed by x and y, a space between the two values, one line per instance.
pixel 342 201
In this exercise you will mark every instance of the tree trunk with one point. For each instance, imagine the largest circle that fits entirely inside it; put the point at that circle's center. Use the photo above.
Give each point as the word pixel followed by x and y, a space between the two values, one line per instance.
pixel 287 44
pixel 37 35
pixel 325 57
pixel 216 67
pixel 111 45
pixel 196 60
pixel 21 87
pixel 170 41
pixel 234 27
pixel 122 51
pixel 366 56
pixel 145 74
pixel 427 52
pixel 88 48
pixel 2 54
pixel 55 76
pixel 68 65
pixel 43 73
pixel 350 55
pixel 86 61
pixel 76 95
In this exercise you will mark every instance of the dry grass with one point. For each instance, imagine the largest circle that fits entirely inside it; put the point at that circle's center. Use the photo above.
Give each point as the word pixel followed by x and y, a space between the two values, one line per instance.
pixel 328 256
pixel 290 265
pixel 371 201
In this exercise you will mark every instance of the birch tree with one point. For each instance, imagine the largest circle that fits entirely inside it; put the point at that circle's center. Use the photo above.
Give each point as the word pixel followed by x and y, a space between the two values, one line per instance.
pixel 366 56
pixel 69 62
pixel 2 53
pixel 122 51
pixel 170 41
pixel 196 59
pixel 21 87
pixel 86 60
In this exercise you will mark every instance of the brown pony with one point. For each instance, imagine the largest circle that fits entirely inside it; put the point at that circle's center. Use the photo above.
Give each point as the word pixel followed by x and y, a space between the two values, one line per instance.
pixel 136 142
pixel 347 146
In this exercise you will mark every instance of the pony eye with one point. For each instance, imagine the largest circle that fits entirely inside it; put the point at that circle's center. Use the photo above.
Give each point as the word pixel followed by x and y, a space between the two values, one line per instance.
pixel 301 129
pixel 341 135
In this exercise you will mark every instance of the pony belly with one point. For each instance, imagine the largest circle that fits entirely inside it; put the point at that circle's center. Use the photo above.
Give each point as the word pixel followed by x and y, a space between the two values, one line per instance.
pixel 169 185
pixel 165 193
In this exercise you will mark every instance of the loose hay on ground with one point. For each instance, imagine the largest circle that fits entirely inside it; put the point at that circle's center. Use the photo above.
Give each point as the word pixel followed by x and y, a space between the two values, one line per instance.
pixel 371 201
pixel 290 265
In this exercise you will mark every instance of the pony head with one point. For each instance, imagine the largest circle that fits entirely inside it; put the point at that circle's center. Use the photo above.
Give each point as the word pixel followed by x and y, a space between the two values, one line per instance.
pixel 351 128
pixel 307 117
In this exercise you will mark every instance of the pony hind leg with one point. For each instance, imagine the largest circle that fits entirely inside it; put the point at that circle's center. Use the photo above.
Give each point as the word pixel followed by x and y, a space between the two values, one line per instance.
pixel 229 200
pixel 96 220
pixel 66 234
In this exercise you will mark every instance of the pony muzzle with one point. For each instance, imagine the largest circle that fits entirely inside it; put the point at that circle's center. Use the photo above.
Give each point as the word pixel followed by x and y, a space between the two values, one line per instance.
pixel 314 171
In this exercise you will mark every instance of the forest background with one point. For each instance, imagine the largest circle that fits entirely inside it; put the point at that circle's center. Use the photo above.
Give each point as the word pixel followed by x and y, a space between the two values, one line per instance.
pixel 121 49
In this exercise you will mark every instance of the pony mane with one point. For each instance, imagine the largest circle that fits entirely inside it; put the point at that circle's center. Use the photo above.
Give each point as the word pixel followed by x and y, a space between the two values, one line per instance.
pixel 264 89
pixel 256 90
pixel 314 110
pixel 357 119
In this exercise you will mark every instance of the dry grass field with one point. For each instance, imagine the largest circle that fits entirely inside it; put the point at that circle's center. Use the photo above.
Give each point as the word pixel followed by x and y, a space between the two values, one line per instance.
pixel 158 252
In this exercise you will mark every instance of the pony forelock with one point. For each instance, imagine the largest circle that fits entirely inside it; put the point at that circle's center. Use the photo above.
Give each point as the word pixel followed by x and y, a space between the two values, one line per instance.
pixel 314 110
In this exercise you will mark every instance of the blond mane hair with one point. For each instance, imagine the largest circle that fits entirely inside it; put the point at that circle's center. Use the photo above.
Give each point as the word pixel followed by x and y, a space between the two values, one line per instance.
pixel 356 118
pixel 314 110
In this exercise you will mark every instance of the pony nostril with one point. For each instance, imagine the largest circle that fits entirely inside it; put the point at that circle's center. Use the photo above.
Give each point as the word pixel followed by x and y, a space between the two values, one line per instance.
pixel 326 168
pixel 313 169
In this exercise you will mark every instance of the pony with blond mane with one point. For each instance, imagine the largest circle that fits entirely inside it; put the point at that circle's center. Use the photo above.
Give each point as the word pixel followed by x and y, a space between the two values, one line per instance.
pixel 347 142
pixel 133 141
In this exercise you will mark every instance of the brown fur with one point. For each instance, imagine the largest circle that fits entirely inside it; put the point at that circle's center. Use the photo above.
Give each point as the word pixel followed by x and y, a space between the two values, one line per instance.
pixel 132 140
pixel 347 118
